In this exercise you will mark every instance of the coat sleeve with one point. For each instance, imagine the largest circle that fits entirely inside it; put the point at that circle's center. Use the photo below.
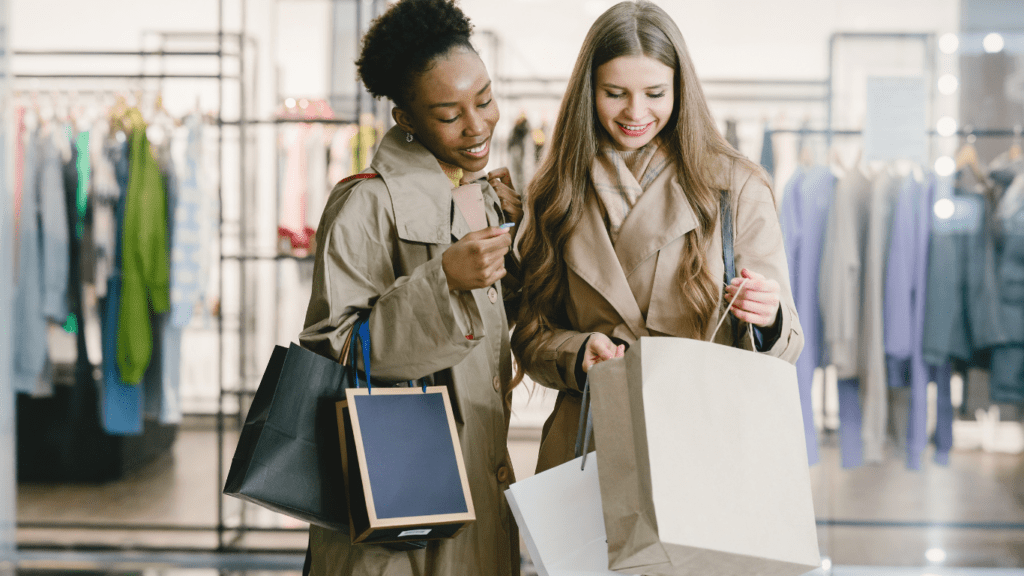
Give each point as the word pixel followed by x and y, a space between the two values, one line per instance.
pixel 553 365
pixel 413 328
pixel 760 247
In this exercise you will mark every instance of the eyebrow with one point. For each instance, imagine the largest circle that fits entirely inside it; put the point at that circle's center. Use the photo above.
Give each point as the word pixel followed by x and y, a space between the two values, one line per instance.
pixel 447 104
pixel 609 85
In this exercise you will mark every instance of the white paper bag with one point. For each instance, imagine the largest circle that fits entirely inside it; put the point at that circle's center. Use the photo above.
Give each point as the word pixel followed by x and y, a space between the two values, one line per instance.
pixel 704 464
pixel 559 515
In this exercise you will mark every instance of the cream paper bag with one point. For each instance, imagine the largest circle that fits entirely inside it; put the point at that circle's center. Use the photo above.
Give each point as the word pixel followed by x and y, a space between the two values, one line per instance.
pixel 703 462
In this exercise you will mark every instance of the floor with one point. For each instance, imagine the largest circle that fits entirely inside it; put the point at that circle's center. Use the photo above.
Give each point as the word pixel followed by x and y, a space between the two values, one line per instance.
pixel 964 519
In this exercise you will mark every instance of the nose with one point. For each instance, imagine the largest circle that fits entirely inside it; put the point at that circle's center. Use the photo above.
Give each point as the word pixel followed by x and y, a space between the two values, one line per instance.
pixel 475 124
pixel 634 110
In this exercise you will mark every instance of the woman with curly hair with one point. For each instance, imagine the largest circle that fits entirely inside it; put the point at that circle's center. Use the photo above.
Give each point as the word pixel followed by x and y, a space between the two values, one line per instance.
pixel 623 237
pixel 393 244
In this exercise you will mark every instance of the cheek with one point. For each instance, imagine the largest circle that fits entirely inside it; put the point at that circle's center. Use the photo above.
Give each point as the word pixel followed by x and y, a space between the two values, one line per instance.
pixel 605 110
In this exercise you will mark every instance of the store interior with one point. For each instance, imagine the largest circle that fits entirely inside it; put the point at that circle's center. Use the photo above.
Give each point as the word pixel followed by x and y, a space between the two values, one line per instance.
pixel 253 112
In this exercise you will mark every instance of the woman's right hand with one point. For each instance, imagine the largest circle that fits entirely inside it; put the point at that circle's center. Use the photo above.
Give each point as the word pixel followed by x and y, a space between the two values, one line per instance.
pixel 599 349
pixel 477 260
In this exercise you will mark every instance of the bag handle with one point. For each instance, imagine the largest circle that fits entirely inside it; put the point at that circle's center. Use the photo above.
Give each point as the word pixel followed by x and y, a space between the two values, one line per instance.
pixel 586 425
pixel 729 259
pixel 361 334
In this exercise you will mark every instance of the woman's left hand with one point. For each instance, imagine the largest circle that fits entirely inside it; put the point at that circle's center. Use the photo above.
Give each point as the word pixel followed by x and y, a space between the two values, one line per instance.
pixel 758 303
pixel 511 204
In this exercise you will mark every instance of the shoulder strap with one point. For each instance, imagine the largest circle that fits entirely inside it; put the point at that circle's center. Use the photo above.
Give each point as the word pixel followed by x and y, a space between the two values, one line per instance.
pixel 362 176
pixel 728 252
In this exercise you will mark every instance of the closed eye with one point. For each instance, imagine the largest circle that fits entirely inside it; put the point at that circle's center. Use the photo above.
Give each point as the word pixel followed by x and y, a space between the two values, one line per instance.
pixel 658 95
pixel 485 104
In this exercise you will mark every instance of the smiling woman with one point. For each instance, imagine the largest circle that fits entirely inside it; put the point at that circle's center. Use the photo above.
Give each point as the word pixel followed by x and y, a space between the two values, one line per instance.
pixel 393 247
pixel 625 232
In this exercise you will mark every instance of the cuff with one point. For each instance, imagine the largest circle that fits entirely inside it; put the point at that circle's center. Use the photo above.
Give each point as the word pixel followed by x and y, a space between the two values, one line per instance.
pixel 765 338
pixel 466 312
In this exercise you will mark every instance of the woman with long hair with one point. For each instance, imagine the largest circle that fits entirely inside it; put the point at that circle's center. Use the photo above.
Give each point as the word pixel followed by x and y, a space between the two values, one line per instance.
pixel 623 234
pixel 394 246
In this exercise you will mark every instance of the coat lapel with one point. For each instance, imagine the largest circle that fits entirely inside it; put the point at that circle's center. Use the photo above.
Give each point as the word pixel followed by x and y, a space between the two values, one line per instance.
pixel 420 192
pixel 661 215
pixel 590 255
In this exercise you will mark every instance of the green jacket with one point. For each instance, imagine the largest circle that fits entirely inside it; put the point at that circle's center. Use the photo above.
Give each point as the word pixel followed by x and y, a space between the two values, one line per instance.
pixel 145 260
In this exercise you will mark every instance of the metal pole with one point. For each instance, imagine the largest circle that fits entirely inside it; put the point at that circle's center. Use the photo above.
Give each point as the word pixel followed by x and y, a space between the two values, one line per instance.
pixel 8 453
pixel 220 291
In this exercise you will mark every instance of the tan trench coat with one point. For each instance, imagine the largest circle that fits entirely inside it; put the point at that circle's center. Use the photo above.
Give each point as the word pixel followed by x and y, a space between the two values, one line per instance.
pixel 379 246
pixel 631 289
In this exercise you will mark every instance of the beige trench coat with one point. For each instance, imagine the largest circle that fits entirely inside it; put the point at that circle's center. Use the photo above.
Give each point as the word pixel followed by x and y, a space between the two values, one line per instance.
pixel 631 289
pixel 379 246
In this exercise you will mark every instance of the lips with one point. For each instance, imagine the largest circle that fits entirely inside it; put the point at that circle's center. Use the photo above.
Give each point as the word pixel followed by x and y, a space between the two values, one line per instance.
pixel 478 151
pixel 634 130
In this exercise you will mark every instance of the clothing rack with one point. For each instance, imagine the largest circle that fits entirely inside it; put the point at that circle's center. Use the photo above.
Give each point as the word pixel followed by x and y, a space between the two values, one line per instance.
pixel 221 528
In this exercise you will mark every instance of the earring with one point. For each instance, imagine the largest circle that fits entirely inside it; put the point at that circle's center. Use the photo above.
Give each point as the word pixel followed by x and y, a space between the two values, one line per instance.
pixel 408 136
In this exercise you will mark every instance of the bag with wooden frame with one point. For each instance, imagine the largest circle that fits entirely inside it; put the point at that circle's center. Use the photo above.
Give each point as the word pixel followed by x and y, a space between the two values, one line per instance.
pixel 406 480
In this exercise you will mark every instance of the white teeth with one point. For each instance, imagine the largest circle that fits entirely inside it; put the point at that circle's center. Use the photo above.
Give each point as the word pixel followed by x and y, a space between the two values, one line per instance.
pixel 634 128
pixel 478 149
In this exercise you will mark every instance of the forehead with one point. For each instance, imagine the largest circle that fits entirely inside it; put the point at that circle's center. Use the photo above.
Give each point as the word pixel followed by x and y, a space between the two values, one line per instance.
pixel 459 75
pixel 634 72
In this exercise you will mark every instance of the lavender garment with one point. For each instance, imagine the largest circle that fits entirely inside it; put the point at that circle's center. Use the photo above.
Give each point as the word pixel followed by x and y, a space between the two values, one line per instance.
pixel 804 213
pixel 904 314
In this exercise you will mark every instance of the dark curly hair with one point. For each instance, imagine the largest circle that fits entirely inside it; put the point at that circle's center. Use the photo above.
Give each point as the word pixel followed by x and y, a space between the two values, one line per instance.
pixel 403 42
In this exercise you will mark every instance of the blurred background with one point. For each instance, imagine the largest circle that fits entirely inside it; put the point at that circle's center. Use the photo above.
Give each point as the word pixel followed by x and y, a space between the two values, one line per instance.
pixel 890 127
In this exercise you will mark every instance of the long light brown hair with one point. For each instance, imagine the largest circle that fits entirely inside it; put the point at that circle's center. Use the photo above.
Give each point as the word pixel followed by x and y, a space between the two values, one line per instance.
pixel 558 192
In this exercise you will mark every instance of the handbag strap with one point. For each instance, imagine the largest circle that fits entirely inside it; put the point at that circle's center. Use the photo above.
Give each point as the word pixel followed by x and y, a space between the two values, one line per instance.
pixel 361 334
pixel 728 251
pixel 586 425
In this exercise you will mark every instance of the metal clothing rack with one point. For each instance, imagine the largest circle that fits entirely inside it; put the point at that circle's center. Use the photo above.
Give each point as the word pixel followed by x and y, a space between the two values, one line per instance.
pixel 221 529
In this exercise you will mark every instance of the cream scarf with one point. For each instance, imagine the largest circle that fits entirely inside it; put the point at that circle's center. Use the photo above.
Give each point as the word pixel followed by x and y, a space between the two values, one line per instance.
pixel 620 178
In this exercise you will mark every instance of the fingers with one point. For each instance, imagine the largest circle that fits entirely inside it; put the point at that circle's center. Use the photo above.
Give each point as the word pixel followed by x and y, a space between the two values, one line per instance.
pixel 501 175
pixel 755 313
pixel 487 233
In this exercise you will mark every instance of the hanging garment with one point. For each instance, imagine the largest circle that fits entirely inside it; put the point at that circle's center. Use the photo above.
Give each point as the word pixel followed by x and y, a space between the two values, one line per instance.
pixel 1007 378
pixel 517 149
pixel 120 402
pixel 103 202
pixel 840 293
pixel 904 314
pixel 145 260
pixel 768 153
pixel 341 154
pixel 295 193
pixel 872 367
pixel 190 225
pixel 731 135
pixel 840 282
pixel 803 216
pixel 44 258
pixel 363 142
pixel 317 188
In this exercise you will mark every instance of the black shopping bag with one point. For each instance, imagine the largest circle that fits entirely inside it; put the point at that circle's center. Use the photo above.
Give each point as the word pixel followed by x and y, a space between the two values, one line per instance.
pixel 400 448
pixel 288 458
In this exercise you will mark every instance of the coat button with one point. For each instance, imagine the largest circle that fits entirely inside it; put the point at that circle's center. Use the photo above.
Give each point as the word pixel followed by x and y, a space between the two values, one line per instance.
pixel 497 384
pixel 503 474
pixel 492 294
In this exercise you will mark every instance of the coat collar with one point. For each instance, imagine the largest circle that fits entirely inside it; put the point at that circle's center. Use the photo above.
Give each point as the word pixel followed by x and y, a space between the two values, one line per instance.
pixel 661 215
pixel 420 191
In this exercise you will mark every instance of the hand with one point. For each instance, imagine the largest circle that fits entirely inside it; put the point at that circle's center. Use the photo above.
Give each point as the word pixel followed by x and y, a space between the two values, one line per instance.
pixel 758 303
pixel 599 349
pixel 511 204
pixel 478 260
